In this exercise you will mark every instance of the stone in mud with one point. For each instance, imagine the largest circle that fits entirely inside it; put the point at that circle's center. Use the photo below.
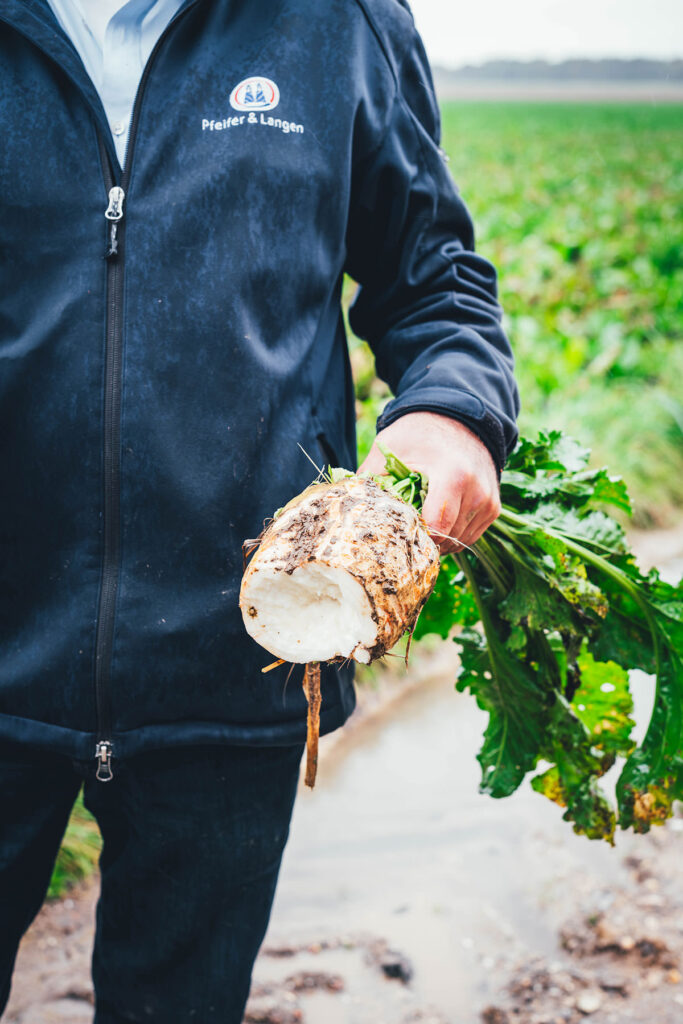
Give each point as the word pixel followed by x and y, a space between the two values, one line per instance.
pixel 589 1001
pixel 396 965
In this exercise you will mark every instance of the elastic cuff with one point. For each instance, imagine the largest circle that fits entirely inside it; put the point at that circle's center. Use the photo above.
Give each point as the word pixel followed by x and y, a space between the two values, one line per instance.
pixel 458 405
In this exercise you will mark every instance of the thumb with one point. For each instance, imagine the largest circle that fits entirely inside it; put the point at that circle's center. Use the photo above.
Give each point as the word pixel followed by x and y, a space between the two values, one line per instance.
pixel 374 463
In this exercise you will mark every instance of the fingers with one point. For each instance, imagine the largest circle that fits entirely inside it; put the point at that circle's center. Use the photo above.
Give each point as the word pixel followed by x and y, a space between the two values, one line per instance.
pixel 441 511
pixel 461 512
pixel 485 513
pixel 463 497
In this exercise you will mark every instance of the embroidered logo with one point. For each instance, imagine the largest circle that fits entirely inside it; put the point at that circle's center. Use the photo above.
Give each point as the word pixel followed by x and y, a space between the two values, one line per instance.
pixel 255 93
pixel 250 99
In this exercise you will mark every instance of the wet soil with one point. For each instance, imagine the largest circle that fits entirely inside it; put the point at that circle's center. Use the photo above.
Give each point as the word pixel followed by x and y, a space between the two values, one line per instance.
pixel 407 897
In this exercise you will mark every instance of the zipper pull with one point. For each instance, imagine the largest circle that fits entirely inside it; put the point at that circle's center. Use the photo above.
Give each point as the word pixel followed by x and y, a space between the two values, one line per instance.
pixel 103 752
pixel 115 209
pixel 114 213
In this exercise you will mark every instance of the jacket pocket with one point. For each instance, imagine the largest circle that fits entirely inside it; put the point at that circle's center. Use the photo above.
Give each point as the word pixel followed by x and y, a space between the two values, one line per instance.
pixel 330 448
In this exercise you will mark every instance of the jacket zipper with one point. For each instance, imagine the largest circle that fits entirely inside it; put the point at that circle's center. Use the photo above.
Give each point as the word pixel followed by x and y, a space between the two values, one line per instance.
pixel 113 362
pixel 114 255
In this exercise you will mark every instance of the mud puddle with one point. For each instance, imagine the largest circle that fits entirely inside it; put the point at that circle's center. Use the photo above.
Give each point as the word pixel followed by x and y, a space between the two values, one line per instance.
pixel 397 843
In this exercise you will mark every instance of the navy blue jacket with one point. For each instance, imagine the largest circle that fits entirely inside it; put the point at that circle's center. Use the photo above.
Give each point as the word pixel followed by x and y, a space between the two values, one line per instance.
pixel 160 365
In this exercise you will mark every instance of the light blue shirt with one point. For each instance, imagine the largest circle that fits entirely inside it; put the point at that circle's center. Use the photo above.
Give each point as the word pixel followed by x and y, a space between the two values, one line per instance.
pixel 115 50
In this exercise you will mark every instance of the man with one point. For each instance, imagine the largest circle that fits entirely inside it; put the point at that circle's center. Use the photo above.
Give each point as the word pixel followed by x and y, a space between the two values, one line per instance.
pixel 174 243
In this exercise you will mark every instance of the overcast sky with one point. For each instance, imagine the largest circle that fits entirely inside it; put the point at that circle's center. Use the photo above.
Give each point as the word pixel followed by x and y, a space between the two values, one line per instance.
pixel 470 31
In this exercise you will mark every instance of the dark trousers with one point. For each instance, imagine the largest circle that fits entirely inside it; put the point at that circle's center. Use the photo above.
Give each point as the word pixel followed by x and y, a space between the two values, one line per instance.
pixel 193 840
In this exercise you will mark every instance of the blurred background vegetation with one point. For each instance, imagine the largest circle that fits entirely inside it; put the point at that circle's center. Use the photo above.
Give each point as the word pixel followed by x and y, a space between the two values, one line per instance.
pixel 579 207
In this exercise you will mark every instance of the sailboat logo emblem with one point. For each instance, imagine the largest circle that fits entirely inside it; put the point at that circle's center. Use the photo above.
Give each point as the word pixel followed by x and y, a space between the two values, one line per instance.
pixel 255 93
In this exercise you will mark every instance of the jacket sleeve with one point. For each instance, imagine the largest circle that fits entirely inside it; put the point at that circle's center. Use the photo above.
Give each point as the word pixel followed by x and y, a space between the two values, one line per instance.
pixel 427 303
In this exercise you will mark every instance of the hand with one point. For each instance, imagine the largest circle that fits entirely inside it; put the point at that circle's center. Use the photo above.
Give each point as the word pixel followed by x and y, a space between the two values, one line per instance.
pixel 463 496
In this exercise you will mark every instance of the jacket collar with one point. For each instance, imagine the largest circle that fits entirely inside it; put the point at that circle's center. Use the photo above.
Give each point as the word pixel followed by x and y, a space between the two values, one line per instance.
pixel 34 20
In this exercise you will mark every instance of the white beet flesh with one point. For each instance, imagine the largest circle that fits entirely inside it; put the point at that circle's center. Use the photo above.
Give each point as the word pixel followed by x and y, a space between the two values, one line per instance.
pixel 316 614
pixel 342 572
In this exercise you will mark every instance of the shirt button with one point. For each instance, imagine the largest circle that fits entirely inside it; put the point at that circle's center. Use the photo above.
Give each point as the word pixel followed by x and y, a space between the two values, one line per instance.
pixel 118 127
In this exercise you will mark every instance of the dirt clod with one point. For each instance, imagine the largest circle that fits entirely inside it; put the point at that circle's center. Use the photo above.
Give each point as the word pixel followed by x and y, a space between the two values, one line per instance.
pixel 269 1010
pixel 600 936
pixel 312 981
pixel 494 1015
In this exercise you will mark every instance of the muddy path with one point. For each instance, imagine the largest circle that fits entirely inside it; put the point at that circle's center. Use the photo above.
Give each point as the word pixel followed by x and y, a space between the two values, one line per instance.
pixel 406 896
pixel 494 906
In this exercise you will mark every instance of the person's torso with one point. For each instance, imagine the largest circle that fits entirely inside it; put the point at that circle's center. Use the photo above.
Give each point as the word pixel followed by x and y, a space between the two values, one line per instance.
pixel 152 403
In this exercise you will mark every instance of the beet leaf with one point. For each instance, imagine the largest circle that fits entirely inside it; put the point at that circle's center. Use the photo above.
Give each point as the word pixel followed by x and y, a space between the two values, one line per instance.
pixel 551 613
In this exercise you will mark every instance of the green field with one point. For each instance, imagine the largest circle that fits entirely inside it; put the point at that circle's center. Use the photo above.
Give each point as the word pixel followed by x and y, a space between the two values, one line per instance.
pixel 579 207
